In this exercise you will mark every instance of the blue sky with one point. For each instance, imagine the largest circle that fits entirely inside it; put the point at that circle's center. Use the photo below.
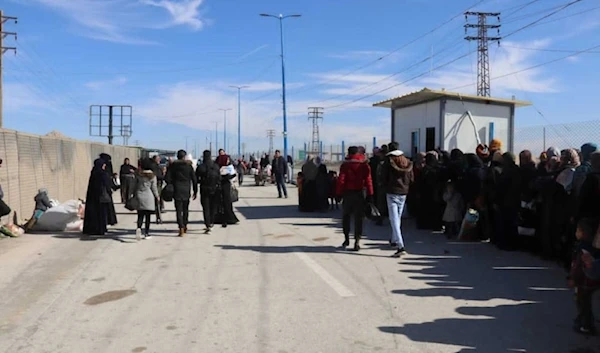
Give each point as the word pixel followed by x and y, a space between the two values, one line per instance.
pixel 174 60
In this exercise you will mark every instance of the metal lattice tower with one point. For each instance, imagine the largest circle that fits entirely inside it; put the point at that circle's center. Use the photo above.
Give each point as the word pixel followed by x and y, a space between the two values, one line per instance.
pixel 271 135
pixel 482 38
pixel 315 114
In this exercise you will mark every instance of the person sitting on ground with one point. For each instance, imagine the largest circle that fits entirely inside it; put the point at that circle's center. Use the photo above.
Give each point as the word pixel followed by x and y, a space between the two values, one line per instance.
pixel 42 204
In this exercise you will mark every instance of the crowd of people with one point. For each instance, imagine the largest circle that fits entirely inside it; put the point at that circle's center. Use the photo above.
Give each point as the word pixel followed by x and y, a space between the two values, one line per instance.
pixel 145 189
pixel 549 206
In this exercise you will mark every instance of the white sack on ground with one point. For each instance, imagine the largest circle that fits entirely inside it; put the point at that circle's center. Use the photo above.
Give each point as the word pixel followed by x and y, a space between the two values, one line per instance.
pixel 57 218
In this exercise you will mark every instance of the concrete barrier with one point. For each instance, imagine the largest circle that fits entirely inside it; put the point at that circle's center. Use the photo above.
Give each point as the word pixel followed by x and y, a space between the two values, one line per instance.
pixel 59 164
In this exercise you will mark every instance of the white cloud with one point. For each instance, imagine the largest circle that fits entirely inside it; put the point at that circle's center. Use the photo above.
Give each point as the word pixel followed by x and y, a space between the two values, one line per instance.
pixel 107 84
pixel 97 19
pixel 184 12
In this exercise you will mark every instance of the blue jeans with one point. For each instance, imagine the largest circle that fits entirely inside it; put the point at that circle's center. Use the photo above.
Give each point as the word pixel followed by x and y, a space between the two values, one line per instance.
pixel 395 205
pixel 280 180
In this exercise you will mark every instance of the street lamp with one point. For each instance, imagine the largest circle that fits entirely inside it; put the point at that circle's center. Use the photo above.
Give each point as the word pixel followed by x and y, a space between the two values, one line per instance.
pixel 239 88
pixel 225 128
pixel 216 137
pixel 285 137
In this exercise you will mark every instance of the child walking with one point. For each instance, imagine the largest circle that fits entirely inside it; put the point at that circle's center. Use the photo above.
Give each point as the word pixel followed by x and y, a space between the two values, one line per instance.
pixel 454 212
pixel 333 178
pixel 582 278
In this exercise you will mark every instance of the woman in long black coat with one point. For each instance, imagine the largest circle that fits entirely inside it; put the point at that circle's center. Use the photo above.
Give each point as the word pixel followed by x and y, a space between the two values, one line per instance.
pixel 112 214
pixel 225 215
pixel 98 200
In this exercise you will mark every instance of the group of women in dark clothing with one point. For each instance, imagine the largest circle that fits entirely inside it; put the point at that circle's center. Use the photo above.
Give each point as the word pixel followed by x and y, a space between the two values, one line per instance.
pixel 316 187
pixel 215 179
pixel 518 205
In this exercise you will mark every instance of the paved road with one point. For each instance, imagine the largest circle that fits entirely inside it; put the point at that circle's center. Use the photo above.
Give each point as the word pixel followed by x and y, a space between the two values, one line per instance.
pixel 276 283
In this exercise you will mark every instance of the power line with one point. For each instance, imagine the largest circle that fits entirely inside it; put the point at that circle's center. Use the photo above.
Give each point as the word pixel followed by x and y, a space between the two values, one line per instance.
pixel 533 104
pixel 401 83
pixel 551 50
pixel 536 66
pixel 409 68
pixel 542 18
pixel 520 8
pixel 586 11
pixel 167 70
pixel 436 28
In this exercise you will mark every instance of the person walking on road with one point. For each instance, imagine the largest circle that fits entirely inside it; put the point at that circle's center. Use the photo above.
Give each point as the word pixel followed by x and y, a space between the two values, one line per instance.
pixel 355 177
pixel 127 178
pixel 160 180
pixel 209 177
pixel 397 174
pixel 240 169
pixel 146 192
pixel 181 175
pixel 280 170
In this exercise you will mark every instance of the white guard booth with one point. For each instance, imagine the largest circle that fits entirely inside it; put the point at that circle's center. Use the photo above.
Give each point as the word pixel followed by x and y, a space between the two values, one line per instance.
pixel 428 119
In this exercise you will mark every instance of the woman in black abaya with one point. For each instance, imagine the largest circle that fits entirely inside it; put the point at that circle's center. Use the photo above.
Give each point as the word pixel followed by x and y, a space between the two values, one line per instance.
pixel 98 200
pixel 225 215
pixel 112 214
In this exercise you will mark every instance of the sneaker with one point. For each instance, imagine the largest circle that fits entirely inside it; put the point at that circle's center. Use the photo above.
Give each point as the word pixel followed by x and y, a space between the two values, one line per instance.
pixel 399 253
pixel 345 244
pixel 356 246
pixel 393 245
pixel 147 236
pixel 138 234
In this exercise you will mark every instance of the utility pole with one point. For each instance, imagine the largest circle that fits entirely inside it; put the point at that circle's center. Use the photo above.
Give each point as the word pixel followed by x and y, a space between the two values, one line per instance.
pixel 225 128
pixel 216 138
pixel 3 49
pixel 270 135
pixel 239 140
pixel 315 114
pixel 482 38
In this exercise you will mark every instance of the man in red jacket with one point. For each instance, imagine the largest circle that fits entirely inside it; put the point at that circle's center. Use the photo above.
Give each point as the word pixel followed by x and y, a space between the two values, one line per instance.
pixel 355 177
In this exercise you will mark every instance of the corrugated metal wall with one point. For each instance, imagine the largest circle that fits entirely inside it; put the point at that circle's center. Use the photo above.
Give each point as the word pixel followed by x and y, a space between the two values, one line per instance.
pixel 60 165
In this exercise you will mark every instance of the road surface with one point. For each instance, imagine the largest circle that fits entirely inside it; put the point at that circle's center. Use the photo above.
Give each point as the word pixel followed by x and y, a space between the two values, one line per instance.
pixel 277 283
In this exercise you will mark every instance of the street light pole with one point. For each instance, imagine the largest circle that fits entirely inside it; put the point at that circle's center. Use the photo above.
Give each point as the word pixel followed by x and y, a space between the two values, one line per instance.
pixel 225 128
pixel 239 88
pixel 216 137
pixel 285 137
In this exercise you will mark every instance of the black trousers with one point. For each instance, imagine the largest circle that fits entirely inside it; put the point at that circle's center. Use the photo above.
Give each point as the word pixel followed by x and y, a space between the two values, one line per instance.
pixel 144 216
pixel 182 209
pixel 353 207
pixel 127 182
pixel 210 206
pixel 585 310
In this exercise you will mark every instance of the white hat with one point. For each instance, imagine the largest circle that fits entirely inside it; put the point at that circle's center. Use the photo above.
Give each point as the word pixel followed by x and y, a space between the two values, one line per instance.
pixel 395 153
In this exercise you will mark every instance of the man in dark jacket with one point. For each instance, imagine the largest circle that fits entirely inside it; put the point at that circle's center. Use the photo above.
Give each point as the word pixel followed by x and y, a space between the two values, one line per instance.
pixel 355 177
pixel 397 175
pixel 181 175
pixel 160 179
pixel 280 171
pixel 209 177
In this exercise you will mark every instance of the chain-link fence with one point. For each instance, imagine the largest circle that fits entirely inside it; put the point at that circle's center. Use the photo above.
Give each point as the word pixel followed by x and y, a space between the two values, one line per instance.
pixel 569 135
pixel 329 152
pixel 60 165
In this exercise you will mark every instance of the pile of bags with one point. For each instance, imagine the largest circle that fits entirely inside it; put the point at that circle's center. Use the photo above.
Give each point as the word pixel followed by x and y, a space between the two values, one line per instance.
pixel 65 217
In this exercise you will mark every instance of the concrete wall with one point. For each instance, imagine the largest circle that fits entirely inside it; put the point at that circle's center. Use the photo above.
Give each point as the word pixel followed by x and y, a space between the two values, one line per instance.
pixel 416 118
pixel 460 133
pixel 61 165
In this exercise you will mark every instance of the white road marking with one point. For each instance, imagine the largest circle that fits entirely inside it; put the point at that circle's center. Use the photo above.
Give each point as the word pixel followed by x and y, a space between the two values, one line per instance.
pixel 340 289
